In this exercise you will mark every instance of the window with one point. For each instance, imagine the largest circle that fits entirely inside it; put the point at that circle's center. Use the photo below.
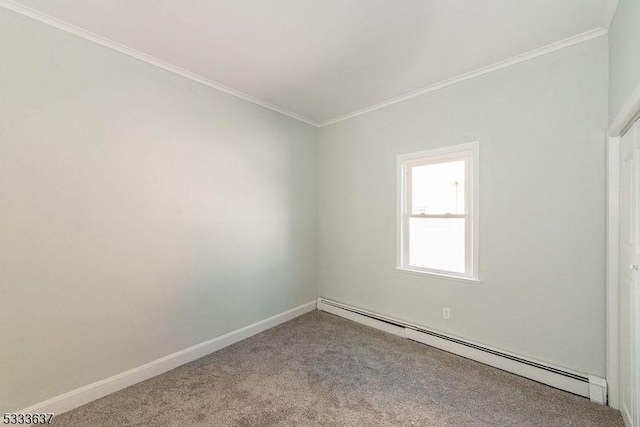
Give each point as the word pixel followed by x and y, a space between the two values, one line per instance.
pixel 438 212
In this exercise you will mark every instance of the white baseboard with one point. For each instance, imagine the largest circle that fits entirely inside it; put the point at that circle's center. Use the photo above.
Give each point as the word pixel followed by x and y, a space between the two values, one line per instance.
pixel 579 383
pixel 80 396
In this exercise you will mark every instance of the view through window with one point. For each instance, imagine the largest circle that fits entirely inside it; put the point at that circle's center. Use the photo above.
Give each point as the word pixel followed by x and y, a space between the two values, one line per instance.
pixel 437 224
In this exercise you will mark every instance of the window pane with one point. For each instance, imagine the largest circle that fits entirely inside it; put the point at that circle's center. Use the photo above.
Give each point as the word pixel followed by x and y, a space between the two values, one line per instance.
pixel 438 188
pixel 437 243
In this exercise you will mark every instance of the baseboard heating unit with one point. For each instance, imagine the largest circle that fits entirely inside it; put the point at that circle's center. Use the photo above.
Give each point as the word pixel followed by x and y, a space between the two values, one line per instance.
pixel 591 386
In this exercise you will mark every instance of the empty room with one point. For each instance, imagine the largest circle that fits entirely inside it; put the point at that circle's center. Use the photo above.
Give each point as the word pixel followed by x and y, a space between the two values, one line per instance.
pixel 320 213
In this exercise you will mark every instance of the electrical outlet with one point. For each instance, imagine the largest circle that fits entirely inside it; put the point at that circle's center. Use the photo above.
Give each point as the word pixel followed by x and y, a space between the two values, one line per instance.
pixel 446 312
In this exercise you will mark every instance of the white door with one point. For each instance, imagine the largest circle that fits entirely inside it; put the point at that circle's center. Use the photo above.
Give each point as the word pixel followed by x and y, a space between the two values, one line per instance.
pixel 629 290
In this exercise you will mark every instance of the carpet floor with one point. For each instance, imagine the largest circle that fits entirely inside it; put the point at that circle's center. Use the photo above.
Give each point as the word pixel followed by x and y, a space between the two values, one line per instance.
pixel 322 370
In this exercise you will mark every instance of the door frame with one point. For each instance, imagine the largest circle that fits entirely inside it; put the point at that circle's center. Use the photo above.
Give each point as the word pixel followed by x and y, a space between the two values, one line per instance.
pixel 627 115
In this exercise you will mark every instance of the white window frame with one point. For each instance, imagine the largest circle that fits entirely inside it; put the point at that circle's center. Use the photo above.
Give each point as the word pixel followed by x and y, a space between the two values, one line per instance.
pixel 468 152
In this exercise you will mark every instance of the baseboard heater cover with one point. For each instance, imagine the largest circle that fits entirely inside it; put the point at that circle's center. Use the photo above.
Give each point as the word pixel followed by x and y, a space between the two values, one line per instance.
pixel 591 386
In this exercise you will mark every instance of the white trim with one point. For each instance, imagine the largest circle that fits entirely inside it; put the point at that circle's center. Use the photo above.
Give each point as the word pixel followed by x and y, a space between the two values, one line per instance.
pixel 634 409
pixel 470 152
pixel 627 114
pixel 579 38
pixel 83 395
pixel 612 268
pixel 635 354
pixel 438 275
pixel 625 118
pixel 592 387
pixel 597 390
pixel 111 44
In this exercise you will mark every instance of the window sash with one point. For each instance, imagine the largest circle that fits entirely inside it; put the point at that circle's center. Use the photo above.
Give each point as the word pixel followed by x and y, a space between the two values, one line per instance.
pixel 467 245
pixel 466 157
pixel 407 208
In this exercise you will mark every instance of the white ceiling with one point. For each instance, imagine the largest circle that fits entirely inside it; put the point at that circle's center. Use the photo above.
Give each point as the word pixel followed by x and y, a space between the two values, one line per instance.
pixel 321 59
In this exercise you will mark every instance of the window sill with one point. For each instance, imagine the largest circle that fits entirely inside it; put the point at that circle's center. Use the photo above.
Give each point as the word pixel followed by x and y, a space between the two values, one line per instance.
pixel 438 275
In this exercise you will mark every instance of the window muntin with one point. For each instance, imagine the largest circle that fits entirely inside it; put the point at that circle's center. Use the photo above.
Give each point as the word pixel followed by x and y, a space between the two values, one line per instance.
pixel 438 211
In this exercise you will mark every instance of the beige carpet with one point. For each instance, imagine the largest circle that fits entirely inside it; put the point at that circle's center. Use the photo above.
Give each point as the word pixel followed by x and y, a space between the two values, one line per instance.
pixel 321 370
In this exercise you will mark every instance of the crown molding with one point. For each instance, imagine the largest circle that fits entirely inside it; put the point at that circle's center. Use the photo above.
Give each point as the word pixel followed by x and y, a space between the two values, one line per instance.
pixel 111 44
pixel 580 38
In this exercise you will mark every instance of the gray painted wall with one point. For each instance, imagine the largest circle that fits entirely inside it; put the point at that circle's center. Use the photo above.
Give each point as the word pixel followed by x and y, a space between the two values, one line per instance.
pixel 140 212
pixel 624 54
pixel 542 208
